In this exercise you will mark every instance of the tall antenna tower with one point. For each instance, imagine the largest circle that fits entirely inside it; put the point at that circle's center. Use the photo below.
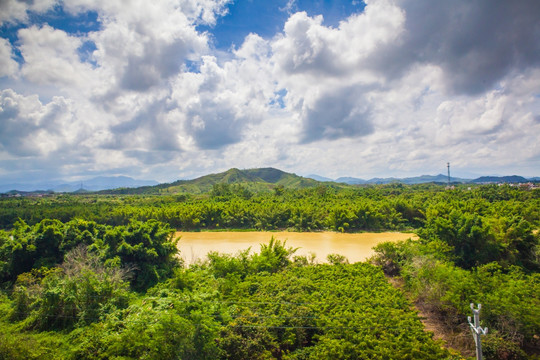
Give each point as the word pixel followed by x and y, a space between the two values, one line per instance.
pixel 448 166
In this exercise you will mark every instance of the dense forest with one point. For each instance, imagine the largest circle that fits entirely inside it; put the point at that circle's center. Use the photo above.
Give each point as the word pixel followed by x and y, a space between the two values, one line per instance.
pixel 97 276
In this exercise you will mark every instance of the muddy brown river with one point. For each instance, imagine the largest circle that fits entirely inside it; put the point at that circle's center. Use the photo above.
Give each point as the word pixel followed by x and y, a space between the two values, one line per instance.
pixel 356 247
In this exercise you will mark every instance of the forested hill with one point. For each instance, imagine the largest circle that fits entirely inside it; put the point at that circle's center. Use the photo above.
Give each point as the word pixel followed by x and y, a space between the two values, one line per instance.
pixel 261 179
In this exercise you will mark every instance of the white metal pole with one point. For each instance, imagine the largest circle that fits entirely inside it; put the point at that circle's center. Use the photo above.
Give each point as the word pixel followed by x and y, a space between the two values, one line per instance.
pixel 477 330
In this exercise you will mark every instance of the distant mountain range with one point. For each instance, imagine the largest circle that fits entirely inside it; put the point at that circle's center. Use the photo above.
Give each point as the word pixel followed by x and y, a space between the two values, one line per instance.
pixel 94 184
pixel 261 179
pixel 428 179
pixel 500 179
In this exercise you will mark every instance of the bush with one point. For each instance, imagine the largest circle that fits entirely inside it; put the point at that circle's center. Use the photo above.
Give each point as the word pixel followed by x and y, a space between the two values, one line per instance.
pixel 495 347
pixel 79 292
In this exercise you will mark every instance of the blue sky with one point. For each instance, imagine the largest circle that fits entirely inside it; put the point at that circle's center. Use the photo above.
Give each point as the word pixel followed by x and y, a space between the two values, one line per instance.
pixel 266 18
pixel 180 88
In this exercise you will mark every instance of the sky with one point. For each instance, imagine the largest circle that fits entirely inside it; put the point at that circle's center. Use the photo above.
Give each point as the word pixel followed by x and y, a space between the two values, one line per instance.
pixel 176 89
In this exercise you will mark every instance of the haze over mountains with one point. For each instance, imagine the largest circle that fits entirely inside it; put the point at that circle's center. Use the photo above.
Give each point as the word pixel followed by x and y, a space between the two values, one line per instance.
pixel 253 179
pixel 93 184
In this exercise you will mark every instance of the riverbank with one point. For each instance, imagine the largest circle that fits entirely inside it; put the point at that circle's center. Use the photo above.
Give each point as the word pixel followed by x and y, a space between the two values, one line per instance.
pixel 355 247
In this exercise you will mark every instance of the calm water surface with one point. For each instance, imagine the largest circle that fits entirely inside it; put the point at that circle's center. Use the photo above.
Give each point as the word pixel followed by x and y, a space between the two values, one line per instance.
pixel 356 247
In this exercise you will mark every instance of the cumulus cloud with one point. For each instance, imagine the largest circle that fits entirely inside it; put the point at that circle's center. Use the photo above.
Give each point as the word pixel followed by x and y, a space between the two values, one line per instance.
pixel 51 57
pixel 336 78
pixel 307 46
pixel 196 11
pixel 398 87
pixel 156 40
pixel 151 129
pixel 322 69
pixel 17 10
pixel 337 114
pixel 8 66
pixel 475 43
pixel 219 103
pixel 30 128
pixel 114 105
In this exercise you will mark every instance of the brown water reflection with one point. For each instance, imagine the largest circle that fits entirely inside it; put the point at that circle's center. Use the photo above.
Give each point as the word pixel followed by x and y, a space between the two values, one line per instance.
pixel 356 247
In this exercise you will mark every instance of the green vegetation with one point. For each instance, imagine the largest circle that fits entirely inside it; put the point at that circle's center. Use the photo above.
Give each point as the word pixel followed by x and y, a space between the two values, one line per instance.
pixel 477 249
pixel 250 306
pixel 236 207
pixel 257 180
pixel 98 276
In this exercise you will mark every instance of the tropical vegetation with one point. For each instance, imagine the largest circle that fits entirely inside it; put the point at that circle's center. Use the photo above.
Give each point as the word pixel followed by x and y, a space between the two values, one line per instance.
pixel 98 276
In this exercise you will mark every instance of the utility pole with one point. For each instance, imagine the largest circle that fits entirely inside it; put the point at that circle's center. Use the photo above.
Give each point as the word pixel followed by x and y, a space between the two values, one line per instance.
pixel 477 330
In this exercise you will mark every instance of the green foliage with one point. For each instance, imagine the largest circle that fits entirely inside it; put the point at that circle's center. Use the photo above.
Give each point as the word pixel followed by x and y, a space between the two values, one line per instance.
pixel 468 234
pixel 324 311
pixel 509 297
pixel 79 292
pixel 26 248
pixel 147 249
pixel 23 346
pixel 389 207
pixel 273 257
pixel 481 232
pixel 98 277
pixel 495 347
pixel 336 259
pixel 156 328
pixel 281 310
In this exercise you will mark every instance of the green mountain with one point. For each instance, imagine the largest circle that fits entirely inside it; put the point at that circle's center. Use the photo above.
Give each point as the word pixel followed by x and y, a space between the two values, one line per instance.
pixel 262 179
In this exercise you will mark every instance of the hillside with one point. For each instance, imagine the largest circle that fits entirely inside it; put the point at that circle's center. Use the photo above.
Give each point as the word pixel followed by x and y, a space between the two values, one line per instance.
pixel 261 179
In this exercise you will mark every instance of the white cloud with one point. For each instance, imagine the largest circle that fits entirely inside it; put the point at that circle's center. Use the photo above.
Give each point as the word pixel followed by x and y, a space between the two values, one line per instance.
pixel 399 89
pixel 220 103
pixel 8 66
pixel 195 11
pixel 322 69
pixel 475 43
pixel 156 39
pixel 30 128
pixel 51 57
pixel 17 10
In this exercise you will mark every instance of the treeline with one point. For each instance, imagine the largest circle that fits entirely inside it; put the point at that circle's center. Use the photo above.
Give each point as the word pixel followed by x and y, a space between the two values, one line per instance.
pixel 89 291
pixel 389 207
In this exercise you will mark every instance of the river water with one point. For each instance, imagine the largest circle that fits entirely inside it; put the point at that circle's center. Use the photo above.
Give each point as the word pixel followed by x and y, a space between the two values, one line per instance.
pixel 355 247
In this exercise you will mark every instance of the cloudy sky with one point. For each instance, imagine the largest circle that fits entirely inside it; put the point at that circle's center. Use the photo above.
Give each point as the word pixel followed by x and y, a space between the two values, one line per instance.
pixel 175 89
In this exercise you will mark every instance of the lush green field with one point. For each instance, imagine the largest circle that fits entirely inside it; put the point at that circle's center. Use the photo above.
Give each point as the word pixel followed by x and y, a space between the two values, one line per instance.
pixel 97 276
